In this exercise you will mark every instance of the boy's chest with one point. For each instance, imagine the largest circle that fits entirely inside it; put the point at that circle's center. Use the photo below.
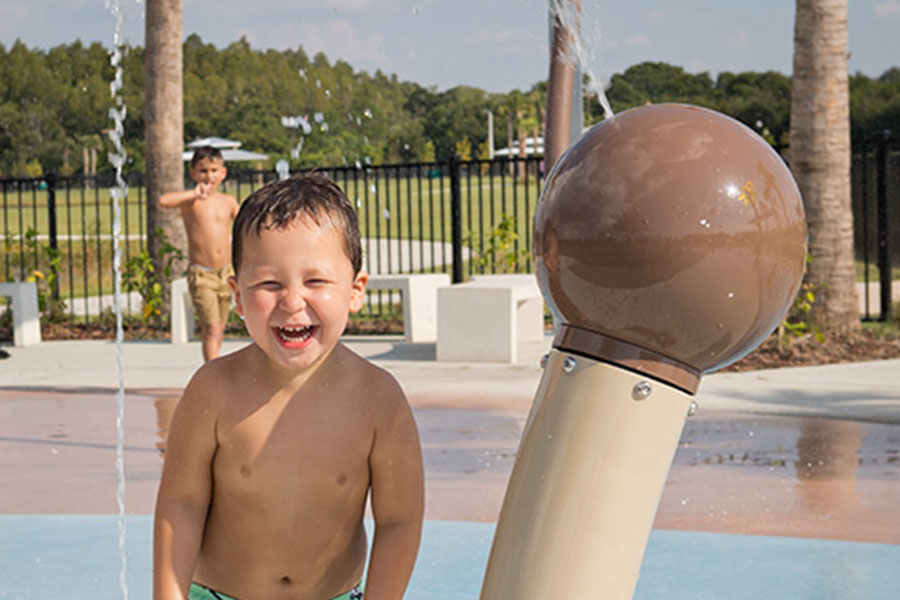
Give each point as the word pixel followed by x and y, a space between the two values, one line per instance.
pixel 213 210
pixel 276 448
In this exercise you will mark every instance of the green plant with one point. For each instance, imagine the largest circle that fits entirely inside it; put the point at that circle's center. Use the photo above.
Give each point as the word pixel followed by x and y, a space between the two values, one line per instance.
pixel 796 322
pixel 140 275
pixel 500 250
pixel 46 277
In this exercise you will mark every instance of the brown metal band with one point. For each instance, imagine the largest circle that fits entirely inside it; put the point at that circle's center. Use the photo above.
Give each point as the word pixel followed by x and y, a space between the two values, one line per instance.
pixel 628 356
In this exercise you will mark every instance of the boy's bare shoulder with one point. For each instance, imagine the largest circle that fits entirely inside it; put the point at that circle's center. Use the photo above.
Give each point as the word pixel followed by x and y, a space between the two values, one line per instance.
pixel 379 385
pixel 216 379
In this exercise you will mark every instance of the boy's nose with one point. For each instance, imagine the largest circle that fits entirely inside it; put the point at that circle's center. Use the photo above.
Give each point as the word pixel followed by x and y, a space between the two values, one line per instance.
pixel 292 300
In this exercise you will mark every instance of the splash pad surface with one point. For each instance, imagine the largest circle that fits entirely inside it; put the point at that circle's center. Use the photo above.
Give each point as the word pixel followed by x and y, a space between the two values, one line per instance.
pixel 748 510
pixel 75 556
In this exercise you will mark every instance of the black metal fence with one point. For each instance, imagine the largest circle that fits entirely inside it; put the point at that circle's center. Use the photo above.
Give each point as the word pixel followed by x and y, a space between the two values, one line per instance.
pixel 459 217
pixel 875 178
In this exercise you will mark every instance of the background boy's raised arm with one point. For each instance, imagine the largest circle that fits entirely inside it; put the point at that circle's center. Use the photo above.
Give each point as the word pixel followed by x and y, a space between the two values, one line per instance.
pixel 173 199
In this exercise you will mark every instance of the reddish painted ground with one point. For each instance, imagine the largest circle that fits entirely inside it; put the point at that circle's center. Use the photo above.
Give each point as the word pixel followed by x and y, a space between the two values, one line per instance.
pixel 732 473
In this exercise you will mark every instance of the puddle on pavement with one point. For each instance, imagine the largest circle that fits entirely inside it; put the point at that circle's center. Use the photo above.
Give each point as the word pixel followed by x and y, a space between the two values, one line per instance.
pixel 733 473
pixel 808 477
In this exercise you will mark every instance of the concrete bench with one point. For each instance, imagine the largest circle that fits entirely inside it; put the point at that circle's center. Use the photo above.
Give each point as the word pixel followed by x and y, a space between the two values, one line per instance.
pixel 181 317
pixel 26 313
pixel 418 293
pixel 485 319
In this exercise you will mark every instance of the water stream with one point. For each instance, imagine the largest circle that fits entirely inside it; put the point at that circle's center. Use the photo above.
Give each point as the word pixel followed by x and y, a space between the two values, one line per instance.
pixel 571 17
pixel 119 193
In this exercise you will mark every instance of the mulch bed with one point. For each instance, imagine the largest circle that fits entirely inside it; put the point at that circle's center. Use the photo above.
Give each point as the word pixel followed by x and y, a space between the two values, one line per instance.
pixel 807 350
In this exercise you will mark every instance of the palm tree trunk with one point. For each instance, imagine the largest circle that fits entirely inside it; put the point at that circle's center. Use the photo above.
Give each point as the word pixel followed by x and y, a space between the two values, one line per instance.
pixel 820 158
pixel 163 125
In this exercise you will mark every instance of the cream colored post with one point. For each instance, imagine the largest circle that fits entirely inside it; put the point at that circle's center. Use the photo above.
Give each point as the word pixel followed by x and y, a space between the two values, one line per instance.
pixel 586 484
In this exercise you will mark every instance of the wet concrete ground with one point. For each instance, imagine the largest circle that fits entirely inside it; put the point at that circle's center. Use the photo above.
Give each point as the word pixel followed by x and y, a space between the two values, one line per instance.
pixel 733 472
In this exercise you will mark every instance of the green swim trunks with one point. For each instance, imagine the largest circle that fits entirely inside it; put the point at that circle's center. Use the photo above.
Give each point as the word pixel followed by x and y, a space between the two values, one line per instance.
pixel 199 592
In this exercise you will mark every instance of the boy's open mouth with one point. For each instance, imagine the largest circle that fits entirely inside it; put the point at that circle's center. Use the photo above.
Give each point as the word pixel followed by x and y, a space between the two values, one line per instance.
pixel 295 334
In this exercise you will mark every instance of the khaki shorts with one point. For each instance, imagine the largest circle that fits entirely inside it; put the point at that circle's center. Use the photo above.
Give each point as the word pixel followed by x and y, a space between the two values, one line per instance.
pixel 210 293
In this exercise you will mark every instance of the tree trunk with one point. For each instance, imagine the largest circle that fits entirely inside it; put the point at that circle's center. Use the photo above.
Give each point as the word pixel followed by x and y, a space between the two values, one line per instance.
pixel 163 128
pixel 820 158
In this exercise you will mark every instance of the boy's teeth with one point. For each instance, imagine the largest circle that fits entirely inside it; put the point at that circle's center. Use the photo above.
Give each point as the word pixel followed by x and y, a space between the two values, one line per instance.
pixel 295 333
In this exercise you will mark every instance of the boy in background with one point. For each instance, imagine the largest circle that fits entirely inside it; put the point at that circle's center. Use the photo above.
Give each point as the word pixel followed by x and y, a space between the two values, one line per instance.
pixel 274 449
pixel 207 214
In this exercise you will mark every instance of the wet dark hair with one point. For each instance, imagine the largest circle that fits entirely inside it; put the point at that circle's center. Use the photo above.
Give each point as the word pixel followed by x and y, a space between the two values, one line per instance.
pixel 204 152
pixel 276 205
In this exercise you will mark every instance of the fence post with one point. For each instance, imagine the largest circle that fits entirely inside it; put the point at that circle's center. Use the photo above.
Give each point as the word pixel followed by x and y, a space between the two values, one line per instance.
pixel 51 223
pixel 456 218
pixel 884 246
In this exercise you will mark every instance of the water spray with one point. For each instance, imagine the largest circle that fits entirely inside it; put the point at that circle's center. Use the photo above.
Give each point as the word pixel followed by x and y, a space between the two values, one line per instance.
pixel 119 193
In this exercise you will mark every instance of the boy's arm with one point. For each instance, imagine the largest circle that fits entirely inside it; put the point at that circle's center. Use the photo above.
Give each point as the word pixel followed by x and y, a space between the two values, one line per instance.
pixel 398 500
pixel 174 199
pixel 184 491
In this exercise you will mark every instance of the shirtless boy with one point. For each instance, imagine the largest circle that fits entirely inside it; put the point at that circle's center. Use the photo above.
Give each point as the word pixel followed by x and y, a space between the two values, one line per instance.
pixel 207 214
pixel 273 450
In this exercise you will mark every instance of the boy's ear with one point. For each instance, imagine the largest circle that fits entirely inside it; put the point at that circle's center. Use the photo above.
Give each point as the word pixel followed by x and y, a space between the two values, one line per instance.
pixel 238 307
pixel 358 291
pixel 224 172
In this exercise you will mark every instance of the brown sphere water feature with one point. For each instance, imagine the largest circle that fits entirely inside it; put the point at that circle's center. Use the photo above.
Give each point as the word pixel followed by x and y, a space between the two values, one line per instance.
pixel 671 240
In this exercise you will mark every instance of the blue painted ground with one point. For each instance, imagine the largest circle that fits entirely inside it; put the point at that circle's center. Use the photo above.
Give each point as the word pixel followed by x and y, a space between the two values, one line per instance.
pixel 76 557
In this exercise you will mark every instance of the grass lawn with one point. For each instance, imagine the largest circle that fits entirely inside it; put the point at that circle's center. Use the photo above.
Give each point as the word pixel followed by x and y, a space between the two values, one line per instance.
pixel 388 206
pixel 874 273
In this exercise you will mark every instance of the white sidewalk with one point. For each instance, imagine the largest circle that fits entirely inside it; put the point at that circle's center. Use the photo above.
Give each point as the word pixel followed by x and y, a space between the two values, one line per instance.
pixel 868 391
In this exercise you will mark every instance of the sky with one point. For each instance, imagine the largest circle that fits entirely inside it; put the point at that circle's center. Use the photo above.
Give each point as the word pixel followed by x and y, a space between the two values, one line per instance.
pixel 495 45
